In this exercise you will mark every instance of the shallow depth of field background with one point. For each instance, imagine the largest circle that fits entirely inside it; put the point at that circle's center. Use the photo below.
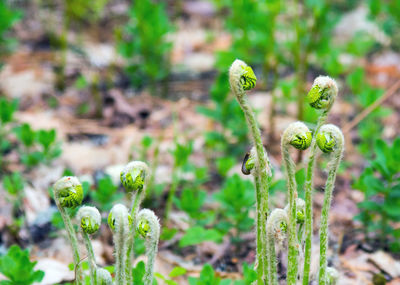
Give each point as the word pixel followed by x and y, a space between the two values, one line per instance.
pixel 87 86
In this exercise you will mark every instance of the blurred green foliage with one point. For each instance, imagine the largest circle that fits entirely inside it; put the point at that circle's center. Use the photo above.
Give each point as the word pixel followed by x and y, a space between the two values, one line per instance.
pixel 34 147
pixel 380 183
pixel 144 44
pixel 84 11
pixel 37 146
pixel 8 18
pixel 209 277
pixel 18 269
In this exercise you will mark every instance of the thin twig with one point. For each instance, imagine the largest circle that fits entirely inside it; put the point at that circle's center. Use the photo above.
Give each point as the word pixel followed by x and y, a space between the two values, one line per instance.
pixel 361 116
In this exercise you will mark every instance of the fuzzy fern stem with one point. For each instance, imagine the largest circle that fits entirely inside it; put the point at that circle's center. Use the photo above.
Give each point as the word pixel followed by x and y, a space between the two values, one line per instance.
pixel 89 219
pixel 241 78
pixel 298 135
pixel 321 96
pixel 330 140
pixel 134 178
pixel 148 227
pixel 120 223
pixel 68 193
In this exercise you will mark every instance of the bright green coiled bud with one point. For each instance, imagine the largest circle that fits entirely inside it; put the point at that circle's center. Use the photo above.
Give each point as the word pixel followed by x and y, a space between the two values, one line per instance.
pixel 90 219
pixel 249 163
pixel 68 191
pixel 330 138
pixel 119 213
pixel 134 175
pixel 323 93
pixel 325 142
pixel 302 141
pixel 297 135
pixel 241 76
pixel 248 79
pixel 143 228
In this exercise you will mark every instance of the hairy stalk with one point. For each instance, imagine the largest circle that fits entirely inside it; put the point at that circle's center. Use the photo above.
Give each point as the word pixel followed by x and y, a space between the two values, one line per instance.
pixel 241 78
pixel 89 219
pixel 68 194
pixel 92 259
pixel 329 139
pixel 149 228
pixel 321 96
pixel 276 231
pixel 120 223
pixel 299 136
pixel 136 201
pixel 74 244
pixel 134 178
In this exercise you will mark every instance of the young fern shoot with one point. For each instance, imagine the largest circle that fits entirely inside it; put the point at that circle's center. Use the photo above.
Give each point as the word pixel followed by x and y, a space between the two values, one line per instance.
pixel 68 193
pixel 329 140
pixel 277 224
pixel 299 136
pixel 149 228
pixel 120 223
pixel 89 220
pixel 134 179
pixel 242 78
pixel 321 96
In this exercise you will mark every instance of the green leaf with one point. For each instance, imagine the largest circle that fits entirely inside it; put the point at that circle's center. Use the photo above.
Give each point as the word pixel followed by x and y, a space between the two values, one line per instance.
pixel 17 267
pixel 177 271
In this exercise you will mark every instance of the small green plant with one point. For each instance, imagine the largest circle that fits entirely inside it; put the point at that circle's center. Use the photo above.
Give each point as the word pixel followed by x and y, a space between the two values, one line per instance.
pixel 143 42
pixel 181 155
pixel 236 198
pixel 37 146
pixel 380 184
pixel 18 269
pixel 105 194
pixel 14 185
pixel 7 110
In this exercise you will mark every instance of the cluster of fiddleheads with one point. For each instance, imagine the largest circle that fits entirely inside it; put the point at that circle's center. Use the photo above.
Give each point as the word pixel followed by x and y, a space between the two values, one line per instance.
pixel 122 222
pixel 295 221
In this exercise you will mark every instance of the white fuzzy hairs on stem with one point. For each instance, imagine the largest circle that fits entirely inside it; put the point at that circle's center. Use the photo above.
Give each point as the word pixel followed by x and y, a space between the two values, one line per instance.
pixel 148 227
pixel 120 223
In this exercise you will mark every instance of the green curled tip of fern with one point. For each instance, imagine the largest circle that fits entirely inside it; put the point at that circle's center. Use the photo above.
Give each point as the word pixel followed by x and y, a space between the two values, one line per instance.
pixel 103 277
pixel 249 162
pixel 148 224
pixel 134 175
pixel 143 228
pixel 298 135
pixel 118 213
pixel 300 210
pixel 90 219
pixel 322 93
pixel 241 76
pixel 329 138
pixel 68 191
